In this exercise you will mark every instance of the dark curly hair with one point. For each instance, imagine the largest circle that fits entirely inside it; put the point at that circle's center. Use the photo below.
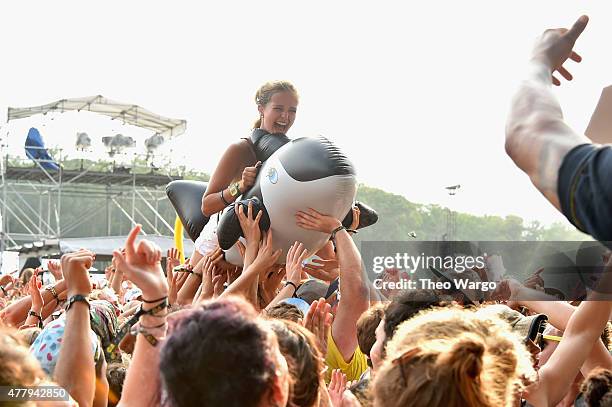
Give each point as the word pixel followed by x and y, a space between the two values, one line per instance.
pixel 597 388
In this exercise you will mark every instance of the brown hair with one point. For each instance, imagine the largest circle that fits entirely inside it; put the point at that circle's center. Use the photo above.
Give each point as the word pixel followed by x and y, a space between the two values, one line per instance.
pixel 19 366
pixel 26 275
pixel 597 387
pixel 452 357
pixel 285 311
pixel 213 346
pixel 299 347
pixel 366 328
pixel 269 89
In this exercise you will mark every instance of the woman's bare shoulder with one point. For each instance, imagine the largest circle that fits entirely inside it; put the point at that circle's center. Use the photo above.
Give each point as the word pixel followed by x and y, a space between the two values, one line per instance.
pixel 240 147
pixel 241 150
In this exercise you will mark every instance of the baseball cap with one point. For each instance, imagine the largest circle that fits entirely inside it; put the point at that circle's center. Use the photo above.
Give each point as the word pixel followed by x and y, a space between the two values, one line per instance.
pixel 527 327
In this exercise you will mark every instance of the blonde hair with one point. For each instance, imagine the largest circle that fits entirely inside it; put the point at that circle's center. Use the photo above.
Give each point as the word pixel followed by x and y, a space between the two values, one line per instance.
pixel 452 357
pixel 269 89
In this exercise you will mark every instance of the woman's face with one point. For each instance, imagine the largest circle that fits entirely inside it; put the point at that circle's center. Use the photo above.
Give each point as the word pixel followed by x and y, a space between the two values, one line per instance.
pixel 279 113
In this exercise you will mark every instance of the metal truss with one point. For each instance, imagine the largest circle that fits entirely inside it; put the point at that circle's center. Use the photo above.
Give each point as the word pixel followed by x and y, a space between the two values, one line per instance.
pixel 31 197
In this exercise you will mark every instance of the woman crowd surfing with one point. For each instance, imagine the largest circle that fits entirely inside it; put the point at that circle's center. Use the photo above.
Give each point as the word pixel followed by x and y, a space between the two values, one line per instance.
pixel 286 332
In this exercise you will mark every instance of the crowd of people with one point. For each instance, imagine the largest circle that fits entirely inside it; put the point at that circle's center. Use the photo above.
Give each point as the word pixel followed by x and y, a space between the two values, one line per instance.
pixel 287 332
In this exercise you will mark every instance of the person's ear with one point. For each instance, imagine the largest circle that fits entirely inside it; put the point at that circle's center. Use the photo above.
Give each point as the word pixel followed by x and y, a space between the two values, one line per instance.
pixel 279 393
pixel 260 109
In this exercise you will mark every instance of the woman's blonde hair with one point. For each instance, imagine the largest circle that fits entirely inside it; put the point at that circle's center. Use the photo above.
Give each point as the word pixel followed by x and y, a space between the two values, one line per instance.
pixel 451 358
pixel 269 89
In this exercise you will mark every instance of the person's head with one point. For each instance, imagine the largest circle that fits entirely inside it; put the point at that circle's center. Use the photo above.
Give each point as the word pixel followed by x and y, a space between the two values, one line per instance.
pixel 366 328
pixel 220 354
pixel 452 357
pixel 115 374
pixel 277 105
pixel 299 347
pixel 597 388
pixel 404 306
pixel 17 365
pixel 29 335
pixel 26 275
pixel 285 311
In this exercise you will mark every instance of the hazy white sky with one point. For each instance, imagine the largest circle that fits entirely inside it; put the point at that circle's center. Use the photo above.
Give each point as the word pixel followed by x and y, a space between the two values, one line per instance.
pixel 415 93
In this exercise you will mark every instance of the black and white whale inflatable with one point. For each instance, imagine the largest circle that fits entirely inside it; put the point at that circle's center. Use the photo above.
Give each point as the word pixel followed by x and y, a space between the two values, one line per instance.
pixel 309 172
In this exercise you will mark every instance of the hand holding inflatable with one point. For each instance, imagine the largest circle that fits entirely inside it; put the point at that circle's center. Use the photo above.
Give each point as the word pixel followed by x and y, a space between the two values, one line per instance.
pixel 313 220
pixel 249 174
pixel 248 224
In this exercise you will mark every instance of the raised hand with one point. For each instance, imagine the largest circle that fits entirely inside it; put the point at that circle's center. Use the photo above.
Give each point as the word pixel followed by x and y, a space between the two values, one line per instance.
pixel 6 280
pixel 318 320
pixel 313 220
pixel 172 259
pixel 326 270
pixel 536 281
pixel 172 278
pixel 142 265
pixel 336 387
pixel 218 258
pixel 217 281
pixel 507 290
pixel 270 283
pixel 267 256
pixel 74 267
pixel 249 174
pixel 56 270
pixel 232 275
pixel 248 223
pixel 208 274
pixel 555 46
pixel 34 291
pixel 295 260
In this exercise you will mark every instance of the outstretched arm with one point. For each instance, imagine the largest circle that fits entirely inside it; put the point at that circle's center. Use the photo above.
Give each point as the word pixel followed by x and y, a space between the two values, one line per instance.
pixel 142 266
pixel 354 290
pixel 75 353
pixel 583 329
pixel 537 137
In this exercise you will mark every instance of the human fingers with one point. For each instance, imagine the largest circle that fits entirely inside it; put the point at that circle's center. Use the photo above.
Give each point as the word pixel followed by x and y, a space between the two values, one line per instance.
pixel 565 73
pixel 333 381
pixel 577 29
pixel 239 212
pixel 305 221
pixel 217 255
pixel 241 248
pixel 303 253
pixel 258 216
pixel 275 256
pixel 250 210
pixel 556 81
pixel 314 213
pixel 308 318
pixel 574 56
pixel 291 253
pixel 130 247
pixel 182 278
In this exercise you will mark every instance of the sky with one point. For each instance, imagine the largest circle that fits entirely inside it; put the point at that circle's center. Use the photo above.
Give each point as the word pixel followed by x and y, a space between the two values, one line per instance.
pixel 415 93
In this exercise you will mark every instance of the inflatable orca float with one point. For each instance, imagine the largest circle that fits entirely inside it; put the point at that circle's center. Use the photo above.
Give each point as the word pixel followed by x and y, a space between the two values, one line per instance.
pixel 295 175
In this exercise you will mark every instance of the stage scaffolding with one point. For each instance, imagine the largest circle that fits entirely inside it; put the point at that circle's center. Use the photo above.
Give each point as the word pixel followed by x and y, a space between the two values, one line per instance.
pixel 38 203
pixel 32 198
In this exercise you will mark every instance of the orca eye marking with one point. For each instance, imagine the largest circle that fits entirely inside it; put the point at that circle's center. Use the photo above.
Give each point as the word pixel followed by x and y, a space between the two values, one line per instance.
pixel 272 175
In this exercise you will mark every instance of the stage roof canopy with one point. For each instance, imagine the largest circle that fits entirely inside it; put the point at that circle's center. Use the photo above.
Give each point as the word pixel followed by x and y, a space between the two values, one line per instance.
pixel 131 114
